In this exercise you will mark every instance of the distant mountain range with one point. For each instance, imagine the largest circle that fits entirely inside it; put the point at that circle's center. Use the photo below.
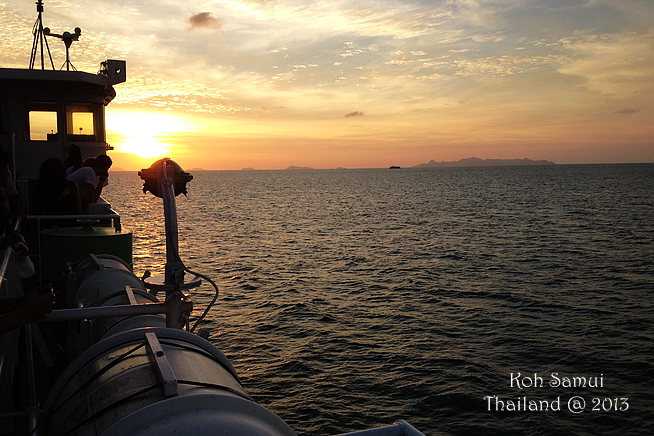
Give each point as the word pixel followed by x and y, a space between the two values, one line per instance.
pixel 476 162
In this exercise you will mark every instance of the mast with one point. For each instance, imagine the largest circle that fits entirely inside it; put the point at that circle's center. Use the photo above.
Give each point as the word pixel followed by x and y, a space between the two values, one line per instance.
pixel 39 39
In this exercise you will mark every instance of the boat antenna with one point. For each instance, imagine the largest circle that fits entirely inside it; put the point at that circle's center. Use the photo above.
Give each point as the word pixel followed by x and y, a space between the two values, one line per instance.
pixel 68 39
pixel 40 40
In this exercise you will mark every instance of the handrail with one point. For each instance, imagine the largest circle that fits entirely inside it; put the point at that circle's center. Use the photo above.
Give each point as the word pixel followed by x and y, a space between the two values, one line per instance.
pixel 171 308
pixel 38 218
pixel 6 253
pixel 98 216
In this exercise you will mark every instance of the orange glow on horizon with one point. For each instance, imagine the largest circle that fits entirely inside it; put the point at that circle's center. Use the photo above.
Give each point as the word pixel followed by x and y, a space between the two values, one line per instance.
pixel 143 133
pixel 323 85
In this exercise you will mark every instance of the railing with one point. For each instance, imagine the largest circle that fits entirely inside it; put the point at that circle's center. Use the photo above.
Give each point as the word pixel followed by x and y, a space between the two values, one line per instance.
pixel 100 216
pixel 40 219
pixel 6 253
pixel 176 311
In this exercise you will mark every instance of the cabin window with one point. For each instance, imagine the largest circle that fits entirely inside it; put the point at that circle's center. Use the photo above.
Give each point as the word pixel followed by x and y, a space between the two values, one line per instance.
pixel 81 122
pixel 43 123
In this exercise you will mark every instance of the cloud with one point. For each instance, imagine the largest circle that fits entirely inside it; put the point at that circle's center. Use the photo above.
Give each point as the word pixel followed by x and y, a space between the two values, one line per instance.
pixel 618 64
pixel 354 114
pixel 626 111
pixel 399 61
pixel 205 19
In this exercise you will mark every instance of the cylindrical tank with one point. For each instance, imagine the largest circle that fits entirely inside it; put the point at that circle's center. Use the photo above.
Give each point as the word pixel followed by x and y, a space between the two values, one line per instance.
pixel 63 244
pixel 141 378
pixel 98 277
pixel 182 385
pixel 101 281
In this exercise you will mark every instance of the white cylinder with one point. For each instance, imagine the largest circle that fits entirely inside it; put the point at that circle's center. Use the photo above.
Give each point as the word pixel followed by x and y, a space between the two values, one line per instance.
pixel 115 389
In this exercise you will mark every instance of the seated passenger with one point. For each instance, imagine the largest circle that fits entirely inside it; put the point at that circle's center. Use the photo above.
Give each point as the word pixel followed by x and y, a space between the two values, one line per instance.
pixel 55 195
pixel 23 266
pixel 85 178
pixel 8 192
pixel 74 160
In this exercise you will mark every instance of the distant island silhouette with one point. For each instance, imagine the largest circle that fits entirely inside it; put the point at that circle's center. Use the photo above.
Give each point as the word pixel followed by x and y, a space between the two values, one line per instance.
pixel 476 162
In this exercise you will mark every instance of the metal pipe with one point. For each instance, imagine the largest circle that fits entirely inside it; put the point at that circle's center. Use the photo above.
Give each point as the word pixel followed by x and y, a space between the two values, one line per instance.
pixel 6 255
pixel 13 156
pixel 174 271
pixel 33 414
pixel 5 261
pixel 80 313
pixel 13 415
pixel 32 410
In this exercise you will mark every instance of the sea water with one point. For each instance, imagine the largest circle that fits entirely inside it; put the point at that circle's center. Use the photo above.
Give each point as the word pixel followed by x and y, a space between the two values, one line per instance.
pixel 467 301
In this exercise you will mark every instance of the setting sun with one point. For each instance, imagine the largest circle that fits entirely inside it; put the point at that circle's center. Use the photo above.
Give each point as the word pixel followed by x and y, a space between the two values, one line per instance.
pixel 144 146
pixel 142 133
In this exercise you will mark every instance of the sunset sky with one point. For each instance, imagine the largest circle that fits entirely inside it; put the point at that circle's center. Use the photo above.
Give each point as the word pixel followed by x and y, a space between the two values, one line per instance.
pixel 268 84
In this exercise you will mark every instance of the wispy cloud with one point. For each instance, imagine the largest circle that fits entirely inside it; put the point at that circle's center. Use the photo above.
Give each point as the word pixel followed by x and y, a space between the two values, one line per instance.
pixel 612 63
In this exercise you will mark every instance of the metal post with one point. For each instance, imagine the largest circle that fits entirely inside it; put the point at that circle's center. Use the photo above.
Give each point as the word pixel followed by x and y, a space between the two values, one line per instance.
pixel 172 231
pixel 39 39
pixel 32 410
pixel 174 269
pixel 165 180
pixel 6 255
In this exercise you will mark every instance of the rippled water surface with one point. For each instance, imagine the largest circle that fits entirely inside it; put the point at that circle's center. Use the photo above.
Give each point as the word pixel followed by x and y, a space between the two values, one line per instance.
pixel 351 298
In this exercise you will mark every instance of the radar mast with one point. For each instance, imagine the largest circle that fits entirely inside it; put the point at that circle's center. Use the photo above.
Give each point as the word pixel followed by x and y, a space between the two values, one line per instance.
pixel 40 41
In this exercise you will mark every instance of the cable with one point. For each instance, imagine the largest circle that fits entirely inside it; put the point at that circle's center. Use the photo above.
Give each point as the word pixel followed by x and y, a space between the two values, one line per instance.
pixel 213 301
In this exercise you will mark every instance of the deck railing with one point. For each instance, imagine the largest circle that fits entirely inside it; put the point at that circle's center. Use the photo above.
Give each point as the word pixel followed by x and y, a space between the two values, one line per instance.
pixel 40 220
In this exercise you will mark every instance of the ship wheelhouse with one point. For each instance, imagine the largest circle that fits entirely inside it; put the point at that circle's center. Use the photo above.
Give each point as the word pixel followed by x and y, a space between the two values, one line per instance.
pixel 43 113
